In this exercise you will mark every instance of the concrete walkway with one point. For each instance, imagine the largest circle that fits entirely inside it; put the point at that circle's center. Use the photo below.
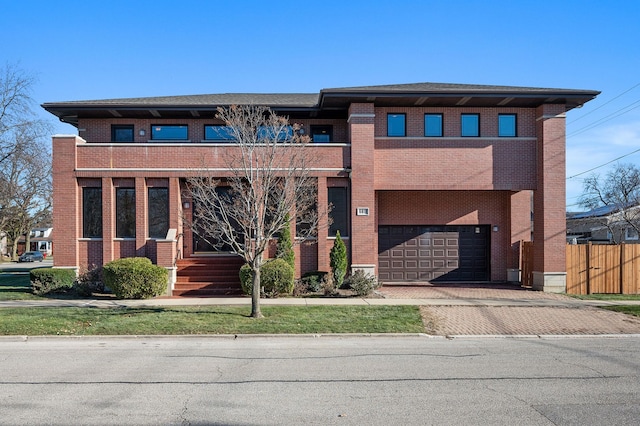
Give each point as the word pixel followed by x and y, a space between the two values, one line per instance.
pixel 448 310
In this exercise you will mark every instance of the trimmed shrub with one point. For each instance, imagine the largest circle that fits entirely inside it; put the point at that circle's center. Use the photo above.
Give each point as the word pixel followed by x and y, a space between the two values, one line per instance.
pixel 49 280
pixel 135 278
pixel 338 260
pixel 89 281
pixel 285 246
pixel 313 280
pixel 362 284
pixel 276 278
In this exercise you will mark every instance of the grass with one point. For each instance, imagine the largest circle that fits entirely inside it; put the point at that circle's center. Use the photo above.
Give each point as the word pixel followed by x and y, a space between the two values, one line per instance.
pixel 629 310
pixel 16 286
pixel 599 296
pixel 210 320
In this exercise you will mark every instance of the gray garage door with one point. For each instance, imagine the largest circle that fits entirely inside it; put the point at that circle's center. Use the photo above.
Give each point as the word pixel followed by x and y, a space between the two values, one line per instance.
pixel 433 253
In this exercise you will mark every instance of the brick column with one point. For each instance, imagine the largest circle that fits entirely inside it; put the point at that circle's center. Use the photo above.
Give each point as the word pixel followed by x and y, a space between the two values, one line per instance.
pixel 323 227
pixel 549 239
pixel 67 208
pixel 108 219
pixel 364 231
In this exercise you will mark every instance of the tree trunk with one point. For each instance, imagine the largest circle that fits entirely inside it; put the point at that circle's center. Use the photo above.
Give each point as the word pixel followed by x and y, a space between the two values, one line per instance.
pixel 255 293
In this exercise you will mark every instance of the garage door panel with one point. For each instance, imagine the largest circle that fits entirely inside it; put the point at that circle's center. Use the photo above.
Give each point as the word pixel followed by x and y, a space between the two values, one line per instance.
pixel 433 253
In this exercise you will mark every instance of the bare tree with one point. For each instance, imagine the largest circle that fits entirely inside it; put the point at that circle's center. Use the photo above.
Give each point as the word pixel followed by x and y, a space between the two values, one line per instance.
pixel 22 134
pixel 26 187
pixel 266 178
pixel 619 192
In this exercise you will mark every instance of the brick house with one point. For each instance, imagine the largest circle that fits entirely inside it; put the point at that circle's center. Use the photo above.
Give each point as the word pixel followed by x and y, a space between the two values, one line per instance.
pixel 429 182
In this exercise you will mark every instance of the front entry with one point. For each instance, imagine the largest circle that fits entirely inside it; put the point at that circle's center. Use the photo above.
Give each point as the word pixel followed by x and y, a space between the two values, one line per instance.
pixel 433 253
pixel 203 241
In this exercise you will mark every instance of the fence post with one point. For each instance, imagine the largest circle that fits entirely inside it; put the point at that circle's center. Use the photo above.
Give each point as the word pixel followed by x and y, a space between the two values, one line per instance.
pixel 621 284
pixel 588 255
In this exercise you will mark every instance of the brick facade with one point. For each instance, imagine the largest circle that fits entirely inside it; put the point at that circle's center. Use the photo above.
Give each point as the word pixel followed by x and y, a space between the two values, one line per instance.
pixel 487 180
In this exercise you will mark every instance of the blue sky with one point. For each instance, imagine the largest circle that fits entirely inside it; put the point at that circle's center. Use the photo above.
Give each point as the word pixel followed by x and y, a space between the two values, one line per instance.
pixel 110 49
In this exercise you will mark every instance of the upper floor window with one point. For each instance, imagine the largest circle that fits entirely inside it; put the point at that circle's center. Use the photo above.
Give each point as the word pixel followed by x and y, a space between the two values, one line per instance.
pixel 507 125
pixel 121 133
pixel 321 134
pixel 169 132
pixel 396 124
pixel 268 134
pixel 470 125
pixel 218 133
pixel 91 212
pixel 433 125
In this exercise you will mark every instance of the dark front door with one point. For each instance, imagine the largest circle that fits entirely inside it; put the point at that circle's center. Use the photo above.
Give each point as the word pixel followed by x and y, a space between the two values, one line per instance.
pixel 203 238
pixel 433 253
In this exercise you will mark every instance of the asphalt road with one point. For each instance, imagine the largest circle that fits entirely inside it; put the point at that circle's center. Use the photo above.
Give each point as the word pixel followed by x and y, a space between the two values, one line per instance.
pixel 341 380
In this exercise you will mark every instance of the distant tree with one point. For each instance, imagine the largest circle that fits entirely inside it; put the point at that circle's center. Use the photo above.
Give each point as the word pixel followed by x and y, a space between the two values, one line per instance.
pixel 24 155
pixel 619 190
pixel 267 177
pixel 26 189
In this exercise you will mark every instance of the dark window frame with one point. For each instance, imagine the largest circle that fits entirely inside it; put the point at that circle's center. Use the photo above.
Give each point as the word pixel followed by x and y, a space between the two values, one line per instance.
pixel 157 229
pixel 116 127
pixel 462 125
pixel 91 212
pixel 515 125
pixel 321 130
pixel 404 124
pixel 431 114
pixel 125 214
pixel 186 127
pixel 340 207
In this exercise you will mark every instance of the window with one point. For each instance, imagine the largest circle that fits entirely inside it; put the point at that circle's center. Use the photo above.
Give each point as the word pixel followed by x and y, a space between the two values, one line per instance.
pixel 91 212
pixel 268 134
pixel 631 234
pixel 507 125
pixel 122 133
pixel 396 125
pixel 470 124
pixel 307 208
pixel 125 213
pixel 158 213
pixel 433 125
pixel 340 212
pixel 321 134
pixel 218 133
pixel 169 133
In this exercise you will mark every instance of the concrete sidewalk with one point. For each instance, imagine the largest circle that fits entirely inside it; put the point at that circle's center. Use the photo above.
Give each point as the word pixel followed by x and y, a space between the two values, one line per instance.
pixel 449 310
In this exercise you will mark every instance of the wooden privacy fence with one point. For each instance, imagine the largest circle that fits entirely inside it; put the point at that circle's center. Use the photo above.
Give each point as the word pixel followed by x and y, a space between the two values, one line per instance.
pixel 597 268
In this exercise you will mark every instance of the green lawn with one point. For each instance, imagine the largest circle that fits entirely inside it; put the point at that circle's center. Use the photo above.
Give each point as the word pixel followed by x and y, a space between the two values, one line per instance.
pixel 606 296
pixel 630 310
pixel 210 320
pixel 16 286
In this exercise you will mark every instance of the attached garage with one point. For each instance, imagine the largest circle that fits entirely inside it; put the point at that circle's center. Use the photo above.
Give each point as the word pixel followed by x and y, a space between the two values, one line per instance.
pixel 433 253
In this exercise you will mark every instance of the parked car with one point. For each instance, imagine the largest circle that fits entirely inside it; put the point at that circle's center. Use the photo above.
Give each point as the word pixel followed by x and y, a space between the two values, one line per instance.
pixel 31 256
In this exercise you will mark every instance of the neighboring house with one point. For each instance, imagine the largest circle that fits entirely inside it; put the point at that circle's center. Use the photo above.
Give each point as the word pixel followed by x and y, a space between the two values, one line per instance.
pixel 602 225
pixel 39 240
pixel 429 182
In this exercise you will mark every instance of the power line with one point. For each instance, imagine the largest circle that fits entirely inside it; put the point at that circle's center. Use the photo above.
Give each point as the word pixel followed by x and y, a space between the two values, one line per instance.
pixel 606 118
pixel 604 104
pixel 604 164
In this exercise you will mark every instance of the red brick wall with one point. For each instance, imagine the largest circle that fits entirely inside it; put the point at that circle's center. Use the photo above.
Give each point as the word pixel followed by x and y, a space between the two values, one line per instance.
pixel 549 237
pixel 454 208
